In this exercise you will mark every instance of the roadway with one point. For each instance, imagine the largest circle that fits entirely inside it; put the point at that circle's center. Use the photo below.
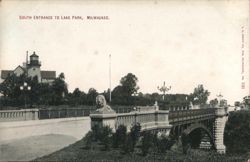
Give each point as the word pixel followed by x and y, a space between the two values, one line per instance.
pixel 27 140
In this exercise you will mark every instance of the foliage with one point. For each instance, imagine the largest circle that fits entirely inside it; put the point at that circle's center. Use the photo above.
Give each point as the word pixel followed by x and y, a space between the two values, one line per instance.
pixel 237 132
pixel 163 143
pixel 135 133
pixel 88 139
pixel 106 137
pixel 128 145
pixel 94 151
pixel 128 87
pixel 200 95
pixel 119 136
pixel 102 134
pixel 213 102
pixel 129 84
pixel 147 142
pixel 185 140
pixel 60 89
pixel 92 93
pixel 40 93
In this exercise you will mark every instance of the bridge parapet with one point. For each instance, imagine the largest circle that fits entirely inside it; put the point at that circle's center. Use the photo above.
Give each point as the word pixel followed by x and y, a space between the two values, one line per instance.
pixel 18 115
pixel 151 120
pixel 191 115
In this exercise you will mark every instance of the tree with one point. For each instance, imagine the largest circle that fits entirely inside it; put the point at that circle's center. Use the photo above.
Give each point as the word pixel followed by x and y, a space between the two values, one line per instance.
pixel 237 132
pixel 45 93
pixel 129 84
pixel 60 89
pixel 200 95
pixel 91 96
pixel 213 102
pixel 122 94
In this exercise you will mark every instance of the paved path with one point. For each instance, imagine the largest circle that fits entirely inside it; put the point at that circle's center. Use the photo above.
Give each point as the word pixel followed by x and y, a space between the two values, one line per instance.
pixel 27 140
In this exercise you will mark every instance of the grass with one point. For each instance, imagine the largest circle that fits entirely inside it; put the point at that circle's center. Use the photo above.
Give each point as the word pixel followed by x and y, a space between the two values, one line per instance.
pixel 78 152
pixel 28 148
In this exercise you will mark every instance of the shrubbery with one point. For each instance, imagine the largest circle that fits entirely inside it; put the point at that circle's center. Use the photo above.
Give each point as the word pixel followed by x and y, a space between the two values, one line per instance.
pixel 119 137
pixel 147 142
pixel 127 142
pixel 237 132
pixel 99 134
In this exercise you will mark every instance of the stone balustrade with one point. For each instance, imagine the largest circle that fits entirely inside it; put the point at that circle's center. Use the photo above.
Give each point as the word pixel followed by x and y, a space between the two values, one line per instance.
pixel 149 120
pixel 18 115
pixel 152 119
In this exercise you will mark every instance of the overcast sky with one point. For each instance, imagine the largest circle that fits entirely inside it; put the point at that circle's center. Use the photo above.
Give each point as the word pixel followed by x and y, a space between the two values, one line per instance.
pixel 184 43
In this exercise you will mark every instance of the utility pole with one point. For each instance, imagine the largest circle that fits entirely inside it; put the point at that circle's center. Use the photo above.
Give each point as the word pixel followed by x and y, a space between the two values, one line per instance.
pixel 109 77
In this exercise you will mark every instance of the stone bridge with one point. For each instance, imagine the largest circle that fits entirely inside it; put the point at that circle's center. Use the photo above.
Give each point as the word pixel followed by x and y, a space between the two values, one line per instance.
pixel 202 125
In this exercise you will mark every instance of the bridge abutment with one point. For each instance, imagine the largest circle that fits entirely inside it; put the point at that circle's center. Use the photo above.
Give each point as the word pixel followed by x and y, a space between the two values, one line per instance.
pixel 219 126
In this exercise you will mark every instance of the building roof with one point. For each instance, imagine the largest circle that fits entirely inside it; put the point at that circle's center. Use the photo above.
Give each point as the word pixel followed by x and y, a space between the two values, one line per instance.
pixel 6 73
pixel 34 55
pixel 20 68
pixel 44 74
pixel 48 74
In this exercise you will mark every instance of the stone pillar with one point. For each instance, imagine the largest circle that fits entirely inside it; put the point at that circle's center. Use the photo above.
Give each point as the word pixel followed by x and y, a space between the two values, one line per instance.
pixel 101 120
pixel 162 122
pixel 219 126
pixel 35 114
pixel 103 115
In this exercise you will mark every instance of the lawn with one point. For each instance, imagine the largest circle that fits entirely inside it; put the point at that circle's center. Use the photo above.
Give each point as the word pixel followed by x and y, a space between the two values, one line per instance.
pixel 236 139
pixel 78 152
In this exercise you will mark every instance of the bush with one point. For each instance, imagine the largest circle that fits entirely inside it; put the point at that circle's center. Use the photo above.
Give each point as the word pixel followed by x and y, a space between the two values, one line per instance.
pixel 163 143
pixel 185 140
pixel 88 139
pixel 119 137
pixel 135 133
pixel 147 142
pixel 237 132
pixel 105 137
pixel 128 145
pixel 96 132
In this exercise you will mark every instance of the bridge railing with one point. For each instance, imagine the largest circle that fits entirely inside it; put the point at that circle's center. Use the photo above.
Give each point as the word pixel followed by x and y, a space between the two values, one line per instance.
pixel 18 115
pixel 149 120
pixel 178 116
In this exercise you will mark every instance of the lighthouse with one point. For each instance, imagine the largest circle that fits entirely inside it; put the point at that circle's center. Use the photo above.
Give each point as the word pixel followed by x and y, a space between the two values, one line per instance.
pixel 33 67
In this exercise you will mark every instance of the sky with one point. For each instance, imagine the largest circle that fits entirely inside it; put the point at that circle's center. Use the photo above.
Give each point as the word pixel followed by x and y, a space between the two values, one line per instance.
pixel 184 43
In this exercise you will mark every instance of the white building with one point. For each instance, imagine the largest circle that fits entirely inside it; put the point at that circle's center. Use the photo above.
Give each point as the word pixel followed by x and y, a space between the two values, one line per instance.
pixel 33 69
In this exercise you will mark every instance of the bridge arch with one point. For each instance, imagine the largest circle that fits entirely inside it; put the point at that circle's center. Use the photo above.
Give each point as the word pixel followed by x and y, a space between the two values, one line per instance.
pixel 194 129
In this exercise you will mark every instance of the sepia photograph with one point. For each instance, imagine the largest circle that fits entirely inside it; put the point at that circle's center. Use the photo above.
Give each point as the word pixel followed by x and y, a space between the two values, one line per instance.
pixel 129 81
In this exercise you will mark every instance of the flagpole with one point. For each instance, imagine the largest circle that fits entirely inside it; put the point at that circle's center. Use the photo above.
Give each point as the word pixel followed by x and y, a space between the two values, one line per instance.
pixel 109 77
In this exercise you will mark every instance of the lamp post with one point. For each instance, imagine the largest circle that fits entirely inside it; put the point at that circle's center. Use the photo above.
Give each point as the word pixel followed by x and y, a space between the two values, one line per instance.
pixel 25 88
pixel 164 89
pixel 220 98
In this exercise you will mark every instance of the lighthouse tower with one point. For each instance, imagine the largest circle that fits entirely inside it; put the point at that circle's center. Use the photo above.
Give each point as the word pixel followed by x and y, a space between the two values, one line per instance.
pixel 33 67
